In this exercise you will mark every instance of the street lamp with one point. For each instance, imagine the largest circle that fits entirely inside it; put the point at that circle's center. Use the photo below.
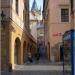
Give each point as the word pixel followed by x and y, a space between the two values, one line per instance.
pixel 2 15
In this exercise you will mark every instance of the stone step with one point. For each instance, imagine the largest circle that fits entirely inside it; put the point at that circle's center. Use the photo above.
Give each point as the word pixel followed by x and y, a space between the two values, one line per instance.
pixel 39 67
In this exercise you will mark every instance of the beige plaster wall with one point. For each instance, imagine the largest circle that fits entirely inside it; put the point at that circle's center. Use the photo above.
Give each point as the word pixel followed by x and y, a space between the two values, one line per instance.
pixel 8 6
pixel 18 18
pixel 74 14
pixel 55 26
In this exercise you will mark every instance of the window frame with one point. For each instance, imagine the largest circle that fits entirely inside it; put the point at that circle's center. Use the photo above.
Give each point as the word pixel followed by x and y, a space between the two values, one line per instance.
pixel 64 16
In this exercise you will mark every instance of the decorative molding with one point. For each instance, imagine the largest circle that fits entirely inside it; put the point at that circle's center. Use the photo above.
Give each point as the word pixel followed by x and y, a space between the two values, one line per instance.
pixel 11 28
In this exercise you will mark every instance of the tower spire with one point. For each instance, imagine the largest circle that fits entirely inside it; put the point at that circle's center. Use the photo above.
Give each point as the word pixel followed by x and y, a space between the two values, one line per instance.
pixel 34 6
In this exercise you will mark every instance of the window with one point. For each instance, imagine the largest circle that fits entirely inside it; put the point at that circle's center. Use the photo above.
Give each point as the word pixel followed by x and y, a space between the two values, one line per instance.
pixel 17 6
pixel 64 15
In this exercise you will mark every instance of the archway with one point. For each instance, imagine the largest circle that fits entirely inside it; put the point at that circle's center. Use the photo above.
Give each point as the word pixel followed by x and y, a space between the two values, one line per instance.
pixel 61 53
pixel 24 52
pixel 17 52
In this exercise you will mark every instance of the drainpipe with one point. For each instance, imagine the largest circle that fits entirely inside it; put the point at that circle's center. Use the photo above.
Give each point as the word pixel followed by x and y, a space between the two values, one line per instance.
pixel 72 14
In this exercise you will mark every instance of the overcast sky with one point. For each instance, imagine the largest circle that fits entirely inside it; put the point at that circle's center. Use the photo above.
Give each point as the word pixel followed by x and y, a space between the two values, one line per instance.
pixel 39 3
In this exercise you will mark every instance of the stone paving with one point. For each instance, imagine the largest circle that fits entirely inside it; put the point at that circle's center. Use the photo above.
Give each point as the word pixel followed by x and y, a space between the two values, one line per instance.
pixel 33 73
pixel 43 61
pixel 41 67
pixel 36 70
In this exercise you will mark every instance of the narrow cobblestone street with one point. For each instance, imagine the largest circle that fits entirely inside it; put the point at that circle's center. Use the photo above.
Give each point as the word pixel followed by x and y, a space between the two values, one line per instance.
pixel 37 37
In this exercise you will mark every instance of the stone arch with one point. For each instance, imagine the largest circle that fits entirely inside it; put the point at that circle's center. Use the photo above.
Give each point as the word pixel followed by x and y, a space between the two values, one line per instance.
pixel 17 51
pixel 24 52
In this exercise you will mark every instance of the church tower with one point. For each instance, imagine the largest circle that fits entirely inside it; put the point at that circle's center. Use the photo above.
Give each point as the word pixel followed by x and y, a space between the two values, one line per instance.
pixel 34 7
pixel 35 11
pixel 35 16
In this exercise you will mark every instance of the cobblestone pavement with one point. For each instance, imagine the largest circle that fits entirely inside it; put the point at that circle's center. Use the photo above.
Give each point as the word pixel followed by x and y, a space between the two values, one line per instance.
pixel 33 73
pixel 39 67
pixel 36 70
pixel 43 61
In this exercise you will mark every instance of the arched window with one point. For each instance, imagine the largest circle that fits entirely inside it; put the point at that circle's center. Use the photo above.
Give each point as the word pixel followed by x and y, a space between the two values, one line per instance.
pixel 17 6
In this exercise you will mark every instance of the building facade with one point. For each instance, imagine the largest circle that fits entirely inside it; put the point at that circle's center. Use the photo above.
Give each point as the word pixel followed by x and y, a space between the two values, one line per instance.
pixel 57 20
pixel 40 31
pixel 74 13
pixel 16 40
pixel 46 31
pixel 40 38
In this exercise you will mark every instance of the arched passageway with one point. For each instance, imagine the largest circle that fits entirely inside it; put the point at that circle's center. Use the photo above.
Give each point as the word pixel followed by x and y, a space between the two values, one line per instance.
pixel 61 53
pixel 17 52
pixel 24 52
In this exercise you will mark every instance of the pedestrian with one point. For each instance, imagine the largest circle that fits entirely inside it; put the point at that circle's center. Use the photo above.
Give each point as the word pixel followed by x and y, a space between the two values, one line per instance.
pixel 9 67
pixel 37 55
pixel 29 57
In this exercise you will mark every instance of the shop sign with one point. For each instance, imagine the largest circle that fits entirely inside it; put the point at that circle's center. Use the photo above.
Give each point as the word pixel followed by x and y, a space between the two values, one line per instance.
pixel 74 56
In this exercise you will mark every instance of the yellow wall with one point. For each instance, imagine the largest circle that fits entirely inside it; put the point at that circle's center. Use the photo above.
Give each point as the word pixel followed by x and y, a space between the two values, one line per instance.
pixel 15 29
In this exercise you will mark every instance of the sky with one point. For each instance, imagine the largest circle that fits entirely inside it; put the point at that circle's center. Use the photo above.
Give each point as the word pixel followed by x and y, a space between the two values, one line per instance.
pixel 39 3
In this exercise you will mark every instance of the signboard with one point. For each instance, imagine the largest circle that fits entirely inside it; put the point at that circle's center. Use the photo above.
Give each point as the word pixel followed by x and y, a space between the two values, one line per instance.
pixel 69 52
pixel 74 53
